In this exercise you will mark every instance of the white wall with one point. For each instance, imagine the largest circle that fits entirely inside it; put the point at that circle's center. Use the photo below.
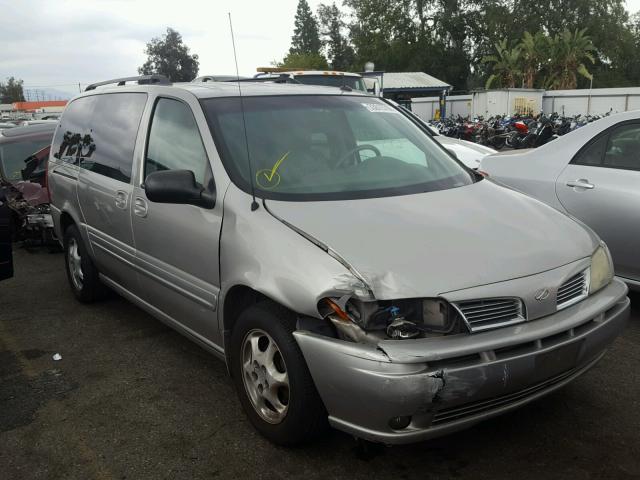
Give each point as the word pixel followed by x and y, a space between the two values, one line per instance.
pixel 501 102
pixel 425 107
pixel 591 102
pixel 504 101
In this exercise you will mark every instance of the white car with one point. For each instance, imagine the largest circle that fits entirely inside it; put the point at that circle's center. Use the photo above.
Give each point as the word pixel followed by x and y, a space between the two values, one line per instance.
pixel 469 153
pixel 592 174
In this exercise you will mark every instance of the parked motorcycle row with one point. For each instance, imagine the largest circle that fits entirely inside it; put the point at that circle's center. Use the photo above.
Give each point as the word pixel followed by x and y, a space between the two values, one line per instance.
pixel 517 131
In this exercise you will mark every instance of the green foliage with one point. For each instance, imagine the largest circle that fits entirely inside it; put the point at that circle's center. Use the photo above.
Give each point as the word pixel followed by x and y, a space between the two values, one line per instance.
pixel 306 61
pixel 11 91
pixel 542 61
pixel 450 39
pixel 568 52
pixel 506 65
pixel 169 56
pixel 306 38
pixel 339 52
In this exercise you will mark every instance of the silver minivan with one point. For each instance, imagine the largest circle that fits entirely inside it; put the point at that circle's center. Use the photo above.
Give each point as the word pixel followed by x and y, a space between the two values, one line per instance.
pixel 347 268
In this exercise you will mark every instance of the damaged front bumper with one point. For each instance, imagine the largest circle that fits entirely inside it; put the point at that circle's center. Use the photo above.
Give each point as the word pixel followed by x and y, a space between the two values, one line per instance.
pixel 403 391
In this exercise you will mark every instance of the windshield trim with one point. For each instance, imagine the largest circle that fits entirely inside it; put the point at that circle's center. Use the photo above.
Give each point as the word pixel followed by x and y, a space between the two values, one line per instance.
pixel 249 188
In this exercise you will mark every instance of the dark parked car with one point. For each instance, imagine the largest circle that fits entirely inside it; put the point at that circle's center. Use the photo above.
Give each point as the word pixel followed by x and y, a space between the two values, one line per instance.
pixel 18 144
pixel 6 260
pixel 24 153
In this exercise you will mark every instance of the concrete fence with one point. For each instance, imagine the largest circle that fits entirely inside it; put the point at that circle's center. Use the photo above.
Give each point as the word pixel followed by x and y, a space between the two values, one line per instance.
pixel 499 102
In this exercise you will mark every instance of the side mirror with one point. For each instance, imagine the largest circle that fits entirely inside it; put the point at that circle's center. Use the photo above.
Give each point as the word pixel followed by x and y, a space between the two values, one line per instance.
pixel 180 187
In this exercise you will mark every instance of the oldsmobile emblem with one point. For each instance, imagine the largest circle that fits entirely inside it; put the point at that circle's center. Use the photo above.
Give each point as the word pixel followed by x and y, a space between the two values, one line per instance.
pixel 542 294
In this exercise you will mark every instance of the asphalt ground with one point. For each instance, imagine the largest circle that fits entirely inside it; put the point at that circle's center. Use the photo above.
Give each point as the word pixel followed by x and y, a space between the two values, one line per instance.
pixel 132 399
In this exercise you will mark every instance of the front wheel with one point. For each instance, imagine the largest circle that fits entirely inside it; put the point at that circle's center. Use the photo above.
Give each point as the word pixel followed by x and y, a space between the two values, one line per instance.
pixel 272 379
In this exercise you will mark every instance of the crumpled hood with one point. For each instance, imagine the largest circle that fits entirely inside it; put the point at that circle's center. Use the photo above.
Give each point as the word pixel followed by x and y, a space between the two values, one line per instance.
pixel 427 244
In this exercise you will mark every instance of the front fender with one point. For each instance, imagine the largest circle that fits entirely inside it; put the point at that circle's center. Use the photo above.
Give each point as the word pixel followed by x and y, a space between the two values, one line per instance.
pixel 259 251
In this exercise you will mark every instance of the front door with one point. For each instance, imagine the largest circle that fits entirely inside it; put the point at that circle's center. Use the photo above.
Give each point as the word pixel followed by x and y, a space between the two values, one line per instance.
pixel 601 187
pixel 177 245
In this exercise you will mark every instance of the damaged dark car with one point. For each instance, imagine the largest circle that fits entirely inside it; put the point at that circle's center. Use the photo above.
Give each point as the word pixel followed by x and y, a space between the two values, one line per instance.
pixel 24 153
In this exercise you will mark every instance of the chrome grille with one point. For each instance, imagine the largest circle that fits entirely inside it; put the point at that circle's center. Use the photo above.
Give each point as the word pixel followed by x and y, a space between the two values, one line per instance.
pixel 573 290
pixel 491 312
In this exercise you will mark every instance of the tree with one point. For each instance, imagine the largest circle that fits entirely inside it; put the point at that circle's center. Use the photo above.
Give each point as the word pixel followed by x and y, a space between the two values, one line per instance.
pixel 506 65
pixel 534 55
pixel 307 61
pixel 569 51
pixel 306 38
pixel 339 52
pixel 170 57
pixel 11 91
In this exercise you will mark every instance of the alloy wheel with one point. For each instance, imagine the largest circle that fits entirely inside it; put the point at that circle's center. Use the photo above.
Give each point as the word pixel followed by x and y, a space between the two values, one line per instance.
pixel 265 377
pixel 74 262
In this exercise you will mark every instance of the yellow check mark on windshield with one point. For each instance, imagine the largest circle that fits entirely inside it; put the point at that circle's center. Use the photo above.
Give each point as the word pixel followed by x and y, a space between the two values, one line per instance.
pixel 275 167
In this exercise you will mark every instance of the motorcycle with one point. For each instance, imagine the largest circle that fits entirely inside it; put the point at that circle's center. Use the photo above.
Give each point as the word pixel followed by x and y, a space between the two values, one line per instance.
pixel 540 133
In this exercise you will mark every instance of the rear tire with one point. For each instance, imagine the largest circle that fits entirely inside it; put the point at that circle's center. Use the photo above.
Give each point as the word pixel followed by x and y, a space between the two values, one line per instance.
pixel 292 413
pixel 82 274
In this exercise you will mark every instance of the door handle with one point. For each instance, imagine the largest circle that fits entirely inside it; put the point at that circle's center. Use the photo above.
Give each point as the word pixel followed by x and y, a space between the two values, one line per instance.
pixel 581 183
pixel 121 199
pixel 140 207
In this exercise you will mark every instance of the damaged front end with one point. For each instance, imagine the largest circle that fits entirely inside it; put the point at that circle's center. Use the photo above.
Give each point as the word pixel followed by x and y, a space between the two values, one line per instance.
pixel 372 321
pixel 31 218
pixel 408 370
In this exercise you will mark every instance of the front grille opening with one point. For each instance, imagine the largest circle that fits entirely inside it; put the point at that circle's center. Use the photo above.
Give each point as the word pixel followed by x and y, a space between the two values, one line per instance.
pixel 459 412
pixel 573 290
pixel 464 360
pixel 514 350
pixel 484 314
pixel 584 328
pixel 554 339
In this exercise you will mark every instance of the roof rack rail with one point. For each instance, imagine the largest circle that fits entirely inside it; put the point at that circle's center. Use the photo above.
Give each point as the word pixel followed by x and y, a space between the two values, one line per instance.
pixel 142 80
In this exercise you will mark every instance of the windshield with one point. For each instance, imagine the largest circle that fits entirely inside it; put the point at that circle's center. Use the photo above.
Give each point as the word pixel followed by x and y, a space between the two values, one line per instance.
pixel 356 83
pixel 13 156
pixel 328 147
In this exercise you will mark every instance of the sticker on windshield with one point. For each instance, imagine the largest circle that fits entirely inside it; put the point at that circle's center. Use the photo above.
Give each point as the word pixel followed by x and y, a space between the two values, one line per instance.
pixel 379 108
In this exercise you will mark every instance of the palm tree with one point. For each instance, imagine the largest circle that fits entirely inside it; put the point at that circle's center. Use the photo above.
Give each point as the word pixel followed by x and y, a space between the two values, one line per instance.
pixel 569 50
pixel 506 65
pixel 534 54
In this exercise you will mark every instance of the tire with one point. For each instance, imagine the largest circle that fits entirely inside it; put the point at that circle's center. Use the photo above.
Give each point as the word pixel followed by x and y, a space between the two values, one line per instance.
pixel 498 143
pixel 86 286
pixel 304 417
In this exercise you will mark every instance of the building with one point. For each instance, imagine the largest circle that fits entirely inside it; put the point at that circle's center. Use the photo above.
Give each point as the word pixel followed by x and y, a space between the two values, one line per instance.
pixel 49 106
pixel 403 86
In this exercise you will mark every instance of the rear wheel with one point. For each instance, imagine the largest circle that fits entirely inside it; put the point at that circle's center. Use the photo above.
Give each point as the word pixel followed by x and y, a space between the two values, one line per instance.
pixel 271 376
pixel 81 272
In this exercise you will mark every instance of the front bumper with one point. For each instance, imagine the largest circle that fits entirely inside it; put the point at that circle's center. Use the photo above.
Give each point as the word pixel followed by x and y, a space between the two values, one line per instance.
pixel 449 383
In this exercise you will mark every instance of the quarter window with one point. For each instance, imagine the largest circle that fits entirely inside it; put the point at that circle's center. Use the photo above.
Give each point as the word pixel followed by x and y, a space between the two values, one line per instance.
pixel 99 133
pixel 592 154
pixel 174 141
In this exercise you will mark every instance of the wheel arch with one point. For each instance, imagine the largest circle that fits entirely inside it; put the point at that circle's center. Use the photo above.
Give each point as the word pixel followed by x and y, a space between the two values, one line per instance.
pixel 236 299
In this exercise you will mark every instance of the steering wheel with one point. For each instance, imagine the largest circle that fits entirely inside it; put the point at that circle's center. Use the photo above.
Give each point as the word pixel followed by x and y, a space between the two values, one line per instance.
pixel 351 152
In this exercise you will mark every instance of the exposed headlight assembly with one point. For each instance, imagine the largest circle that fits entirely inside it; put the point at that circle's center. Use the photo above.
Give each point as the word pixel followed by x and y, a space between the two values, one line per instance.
pixel 601 271
pixel 399 319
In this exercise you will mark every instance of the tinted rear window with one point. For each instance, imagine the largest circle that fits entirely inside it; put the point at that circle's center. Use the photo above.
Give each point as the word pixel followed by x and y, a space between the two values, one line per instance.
pixel 99 132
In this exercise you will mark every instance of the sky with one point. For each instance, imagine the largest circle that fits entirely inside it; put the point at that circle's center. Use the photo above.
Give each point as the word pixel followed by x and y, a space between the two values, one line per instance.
pixel 56 44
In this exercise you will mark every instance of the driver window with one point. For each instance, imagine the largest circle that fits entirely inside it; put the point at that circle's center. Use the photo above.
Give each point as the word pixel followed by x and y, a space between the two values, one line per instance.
pixel 174 141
